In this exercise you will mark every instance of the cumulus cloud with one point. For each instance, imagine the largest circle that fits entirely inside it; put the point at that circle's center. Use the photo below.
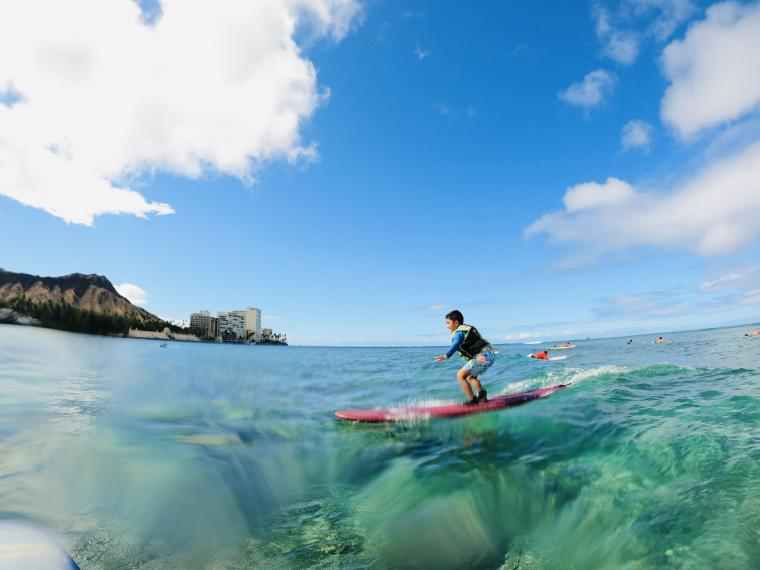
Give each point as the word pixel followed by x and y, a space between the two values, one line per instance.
pixel 636 134
pixel 136 295
pixel 421 53
pixel 714 71
pixel 620 46
pixel 592 195
pixel 104 95
pixel 590 92
pixel 717 212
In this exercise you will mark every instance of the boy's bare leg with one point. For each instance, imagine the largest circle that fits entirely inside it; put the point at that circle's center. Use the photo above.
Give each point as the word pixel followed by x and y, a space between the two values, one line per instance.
pixel 466 388
pixel 475 383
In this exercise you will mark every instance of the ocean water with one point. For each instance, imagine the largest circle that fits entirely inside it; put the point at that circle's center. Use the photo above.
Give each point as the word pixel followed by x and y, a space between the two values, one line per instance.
pixel 218 456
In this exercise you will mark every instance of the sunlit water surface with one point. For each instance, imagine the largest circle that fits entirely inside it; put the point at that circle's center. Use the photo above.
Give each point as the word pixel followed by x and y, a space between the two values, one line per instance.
pixel 219 456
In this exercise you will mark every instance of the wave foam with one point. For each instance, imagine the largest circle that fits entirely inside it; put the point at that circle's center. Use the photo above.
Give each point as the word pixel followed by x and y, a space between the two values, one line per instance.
pixel 566 376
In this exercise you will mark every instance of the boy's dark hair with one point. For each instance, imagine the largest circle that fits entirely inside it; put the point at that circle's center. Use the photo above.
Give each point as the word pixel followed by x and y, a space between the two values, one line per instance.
pixel 455 316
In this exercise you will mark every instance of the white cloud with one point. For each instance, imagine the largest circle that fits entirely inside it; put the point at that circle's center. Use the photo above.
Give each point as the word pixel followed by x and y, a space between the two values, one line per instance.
pixel 592 195
pixel 750 297
pixel 209 87
pixel 618 45
pixel 622 47
pixel 714 72
pixel 715 213
pixel 734 278
pixel 644 19
pixel 591 91
pixel 421 53
pixel 603 25
pixel 636 134
pixel 719 283
pixel 136 295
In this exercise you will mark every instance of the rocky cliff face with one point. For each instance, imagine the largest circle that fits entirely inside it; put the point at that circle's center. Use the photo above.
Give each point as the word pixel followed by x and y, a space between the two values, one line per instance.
pixel 90 292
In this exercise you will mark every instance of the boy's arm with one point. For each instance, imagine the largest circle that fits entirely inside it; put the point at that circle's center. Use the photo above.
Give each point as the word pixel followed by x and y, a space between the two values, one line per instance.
pixel 455 344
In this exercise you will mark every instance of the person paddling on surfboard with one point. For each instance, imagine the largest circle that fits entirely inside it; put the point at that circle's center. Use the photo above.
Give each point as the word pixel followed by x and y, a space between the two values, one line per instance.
pixel 544 355
pixel 475 350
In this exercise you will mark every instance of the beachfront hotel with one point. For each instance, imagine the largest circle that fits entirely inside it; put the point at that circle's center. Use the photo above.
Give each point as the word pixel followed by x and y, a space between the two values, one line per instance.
pixel 231 327
pixel 252 318
pixel 241 325
pixel 204 325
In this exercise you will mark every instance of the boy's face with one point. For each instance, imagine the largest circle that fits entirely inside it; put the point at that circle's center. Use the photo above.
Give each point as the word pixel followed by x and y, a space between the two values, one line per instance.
pixel 452 325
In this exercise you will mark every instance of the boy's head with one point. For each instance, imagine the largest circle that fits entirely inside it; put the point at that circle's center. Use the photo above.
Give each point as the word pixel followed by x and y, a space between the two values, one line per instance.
pixel 453 320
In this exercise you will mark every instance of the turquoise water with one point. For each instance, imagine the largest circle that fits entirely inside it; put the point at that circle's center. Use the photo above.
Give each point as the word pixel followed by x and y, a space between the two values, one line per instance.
pixel 210 456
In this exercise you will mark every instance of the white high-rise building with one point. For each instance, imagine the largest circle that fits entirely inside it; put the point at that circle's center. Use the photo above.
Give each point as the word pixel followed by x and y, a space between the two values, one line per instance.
pixel 252 318
pixel 231 326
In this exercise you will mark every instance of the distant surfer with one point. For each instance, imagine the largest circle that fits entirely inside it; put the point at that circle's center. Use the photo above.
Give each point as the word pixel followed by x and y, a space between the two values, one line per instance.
pixel 474 349
pixel 660 340
pixel 630 341
pixel 753 333
pixel 563 345
pixel 543 355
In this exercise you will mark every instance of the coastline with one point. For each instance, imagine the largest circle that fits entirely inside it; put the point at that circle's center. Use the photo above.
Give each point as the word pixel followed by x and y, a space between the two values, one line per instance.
pixel 156 335
pixel 11 317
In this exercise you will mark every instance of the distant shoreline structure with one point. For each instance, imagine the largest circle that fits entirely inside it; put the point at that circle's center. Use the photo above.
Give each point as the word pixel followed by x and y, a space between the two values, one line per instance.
pixel 90 304
pixel 239 326
pixel 14 318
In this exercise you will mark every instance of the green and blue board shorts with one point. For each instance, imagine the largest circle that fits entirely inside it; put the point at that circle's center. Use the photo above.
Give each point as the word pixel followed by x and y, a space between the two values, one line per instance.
pixel 487 357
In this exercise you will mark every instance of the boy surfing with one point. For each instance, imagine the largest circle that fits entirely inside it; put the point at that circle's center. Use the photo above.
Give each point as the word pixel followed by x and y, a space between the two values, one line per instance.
pixel 475 350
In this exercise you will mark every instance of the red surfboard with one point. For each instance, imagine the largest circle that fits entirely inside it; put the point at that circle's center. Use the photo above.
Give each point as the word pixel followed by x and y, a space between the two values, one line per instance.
pixel 411 413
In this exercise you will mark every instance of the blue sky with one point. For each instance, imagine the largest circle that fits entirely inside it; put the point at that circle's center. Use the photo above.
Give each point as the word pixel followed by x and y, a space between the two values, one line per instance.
pixel 551 169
